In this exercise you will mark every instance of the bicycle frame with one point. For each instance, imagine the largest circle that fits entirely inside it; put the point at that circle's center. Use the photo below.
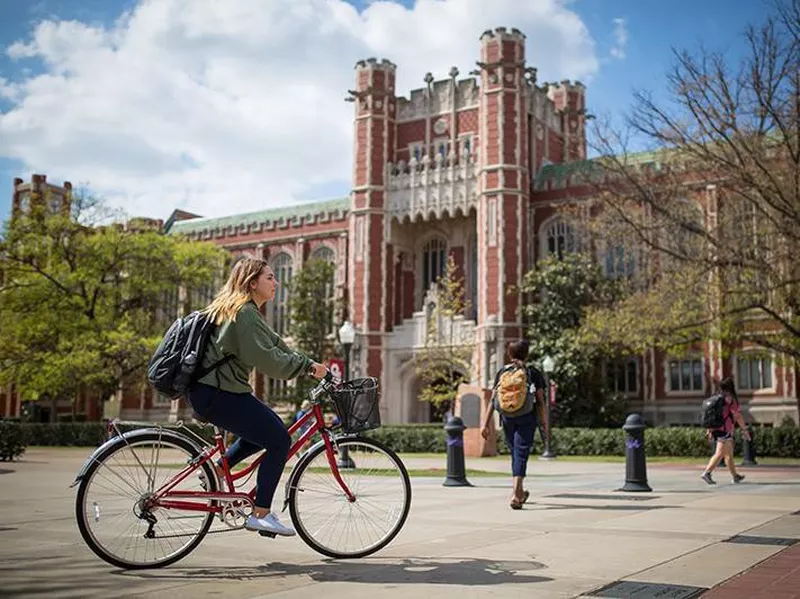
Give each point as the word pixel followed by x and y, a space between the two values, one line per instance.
pixel 165 497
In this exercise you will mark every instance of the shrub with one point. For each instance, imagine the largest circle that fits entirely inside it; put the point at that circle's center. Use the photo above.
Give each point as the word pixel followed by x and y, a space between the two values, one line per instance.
pixel 430 438
pixel 12 440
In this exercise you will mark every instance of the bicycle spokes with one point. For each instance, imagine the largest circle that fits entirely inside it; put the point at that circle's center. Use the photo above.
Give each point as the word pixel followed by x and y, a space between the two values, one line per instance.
pixel 346 526
pixel 121 513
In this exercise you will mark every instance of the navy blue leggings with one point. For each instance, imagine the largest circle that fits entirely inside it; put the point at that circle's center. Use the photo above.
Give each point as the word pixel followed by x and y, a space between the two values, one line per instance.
pixel 519 438
pixel 257 427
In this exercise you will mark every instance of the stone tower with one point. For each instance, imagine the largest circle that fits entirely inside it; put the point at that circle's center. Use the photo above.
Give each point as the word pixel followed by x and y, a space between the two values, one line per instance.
pixel 504 184
pixel 370 256
pixel 569 100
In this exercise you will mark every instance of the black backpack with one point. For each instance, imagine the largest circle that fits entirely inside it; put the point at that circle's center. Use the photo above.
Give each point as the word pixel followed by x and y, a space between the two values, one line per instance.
pixel 712 412
pixel 173 369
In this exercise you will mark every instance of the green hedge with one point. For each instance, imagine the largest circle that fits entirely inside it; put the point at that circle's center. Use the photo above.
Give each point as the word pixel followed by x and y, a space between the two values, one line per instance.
pixel 12 440
pixel 430 438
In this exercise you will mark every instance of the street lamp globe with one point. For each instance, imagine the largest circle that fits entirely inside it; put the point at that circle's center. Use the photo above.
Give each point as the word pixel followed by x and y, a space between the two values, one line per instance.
pixel 347 333
pixel 548 364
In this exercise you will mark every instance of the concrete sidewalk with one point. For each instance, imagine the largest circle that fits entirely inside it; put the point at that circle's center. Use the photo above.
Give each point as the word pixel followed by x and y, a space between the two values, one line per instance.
pixel 577 537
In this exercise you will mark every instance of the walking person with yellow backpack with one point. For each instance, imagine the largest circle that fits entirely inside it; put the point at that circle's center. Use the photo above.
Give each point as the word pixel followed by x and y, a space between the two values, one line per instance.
pixel 517 396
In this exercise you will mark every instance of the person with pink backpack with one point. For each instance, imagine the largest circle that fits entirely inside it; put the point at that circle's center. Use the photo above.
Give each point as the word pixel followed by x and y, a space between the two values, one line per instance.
pixel 721 415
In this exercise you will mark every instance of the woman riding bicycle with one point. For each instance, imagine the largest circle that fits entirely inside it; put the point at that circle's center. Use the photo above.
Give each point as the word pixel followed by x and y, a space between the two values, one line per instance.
pixel 224 396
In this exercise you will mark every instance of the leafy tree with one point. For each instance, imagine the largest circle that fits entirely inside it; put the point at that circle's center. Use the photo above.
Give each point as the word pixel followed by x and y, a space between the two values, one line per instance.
pixel 561 291
pixel 446 359
pixel 84 299
pixel 716 204
pixel 312 306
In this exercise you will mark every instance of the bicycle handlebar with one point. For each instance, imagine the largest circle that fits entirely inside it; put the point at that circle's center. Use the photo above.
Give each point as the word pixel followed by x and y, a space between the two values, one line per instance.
pixel 325 382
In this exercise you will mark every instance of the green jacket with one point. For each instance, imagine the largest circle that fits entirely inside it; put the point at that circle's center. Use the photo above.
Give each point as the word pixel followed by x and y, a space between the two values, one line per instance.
pixel 254 345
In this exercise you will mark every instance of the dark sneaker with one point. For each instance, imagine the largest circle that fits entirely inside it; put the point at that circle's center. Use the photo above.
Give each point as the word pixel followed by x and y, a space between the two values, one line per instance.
pixel 738 478
pixel 706 476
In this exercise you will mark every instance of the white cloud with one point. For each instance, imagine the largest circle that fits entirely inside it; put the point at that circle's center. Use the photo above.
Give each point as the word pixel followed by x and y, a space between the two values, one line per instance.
pixel 228 107
pixel 620 34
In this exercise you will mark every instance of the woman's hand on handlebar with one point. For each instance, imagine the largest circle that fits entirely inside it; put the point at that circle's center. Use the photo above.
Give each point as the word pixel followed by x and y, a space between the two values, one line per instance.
pixel 318 371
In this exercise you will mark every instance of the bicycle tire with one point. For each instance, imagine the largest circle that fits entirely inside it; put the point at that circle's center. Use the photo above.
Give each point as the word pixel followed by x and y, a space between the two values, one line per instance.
pixel 80 513
pixel 297 475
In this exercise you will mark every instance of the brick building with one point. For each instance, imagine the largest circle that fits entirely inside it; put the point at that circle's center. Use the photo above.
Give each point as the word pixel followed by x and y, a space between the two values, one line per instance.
pixel 477 169
pixel 24 196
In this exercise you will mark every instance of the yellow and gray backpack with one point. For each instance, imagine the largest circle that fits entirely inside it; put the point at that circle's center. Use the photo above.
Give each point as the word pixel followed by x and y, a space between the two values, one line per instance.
pixel 513 393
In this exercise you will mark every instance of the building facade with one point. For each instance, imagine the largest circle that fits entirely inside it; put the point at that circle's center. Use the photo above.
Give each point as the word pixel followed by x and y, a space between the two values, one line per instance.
pixel 475 169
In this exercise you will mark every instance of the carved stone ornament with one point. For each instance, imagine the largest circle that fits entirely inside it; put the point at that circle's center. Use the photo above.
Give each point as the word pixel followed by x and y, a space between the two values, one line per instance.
pixel 440 127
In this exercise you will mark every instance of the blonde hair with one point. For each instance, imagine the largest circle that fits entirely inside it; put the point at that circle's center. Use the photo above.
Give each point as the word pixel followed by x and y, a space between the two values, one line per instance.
pixel 236 291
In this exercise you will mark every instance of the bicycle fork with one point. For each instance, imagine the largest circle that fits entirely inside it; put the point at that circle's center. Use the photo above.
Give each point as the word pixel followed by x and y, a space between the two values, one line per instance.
pixel 331 451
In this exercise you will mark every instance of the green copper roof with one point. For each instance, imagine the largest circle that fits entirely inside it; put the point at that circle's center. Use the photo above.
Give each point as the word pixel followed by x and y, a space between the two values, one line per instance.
pixel 560 174
pixel 185 227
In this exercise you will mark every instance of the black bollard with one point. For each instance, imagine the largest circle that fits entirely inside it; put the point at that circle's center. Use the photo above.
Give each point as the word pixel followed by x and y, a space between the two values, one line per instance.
pixel 749 451
pixel 345 461
pixel 456 470
pixel 635 464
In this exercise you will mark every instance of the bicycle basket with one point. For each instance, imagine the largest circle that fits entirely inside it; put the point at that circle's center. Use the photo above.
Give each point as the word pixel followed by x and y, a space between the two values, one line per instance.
pixel 356 403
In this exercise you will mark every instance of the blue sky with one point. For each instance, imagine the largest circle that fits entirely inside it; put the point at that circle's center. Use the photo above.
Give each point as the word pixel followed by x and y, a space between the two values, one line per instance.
pixel 652 28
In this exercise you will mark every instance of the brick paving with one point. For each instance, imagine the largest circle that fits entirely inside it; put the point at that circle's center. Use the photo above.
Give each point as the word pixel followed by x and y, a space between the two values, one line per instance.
pixel 777 577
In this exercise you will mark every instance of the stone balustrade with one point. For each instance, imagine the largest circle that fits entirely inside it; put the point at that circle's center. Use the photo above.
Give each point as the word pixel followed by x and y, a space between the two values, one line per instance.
pixel 436 187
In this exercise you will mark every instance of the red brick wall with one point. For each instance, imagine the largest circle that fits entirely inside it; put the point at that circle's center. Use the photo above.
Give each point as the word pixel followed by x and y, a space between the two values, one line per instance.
pixel 467 121
pixel 371 294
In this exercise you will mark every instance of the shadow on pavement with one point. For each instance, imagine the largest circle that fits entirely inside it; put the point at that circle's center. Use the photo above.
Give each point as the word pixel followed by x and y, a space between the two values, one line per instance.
pixel 461 571
pixel 611 508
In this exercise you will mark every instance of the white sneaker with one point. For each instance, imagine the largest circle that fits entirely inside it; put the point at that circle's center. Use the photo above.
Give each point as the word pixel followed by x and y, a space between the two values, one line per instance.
pixel 269 523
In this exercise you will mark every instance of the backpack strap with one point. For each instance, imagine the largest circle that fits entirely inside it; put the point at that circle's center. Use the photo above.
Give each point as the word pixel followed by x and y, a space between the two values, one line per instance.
pixel 204 371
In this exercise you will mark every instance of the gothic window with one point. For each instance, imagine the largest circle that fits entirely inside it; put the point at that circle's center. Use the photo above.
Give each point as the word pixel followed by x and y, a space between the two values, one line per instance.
pixel 56 203
pixel 622 376
pixel 434 256
pixel 686 375
pixel 753 373
pixel 559 239
pixel 282 267
pixel 325 254
pixel 24 202
pixel 619 261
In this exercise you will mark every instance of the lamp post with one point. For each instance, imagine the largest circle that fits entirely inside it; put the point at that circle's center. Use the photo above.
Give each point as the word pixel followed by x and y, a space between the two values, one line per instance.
pixel 347 336
pixel 548 365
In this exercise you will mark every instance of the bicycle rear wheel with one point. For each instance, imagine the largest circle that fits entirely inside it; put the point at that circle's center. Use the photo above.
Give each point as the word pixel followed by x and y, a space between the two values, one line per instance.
pixel 334 526
pixel 112 509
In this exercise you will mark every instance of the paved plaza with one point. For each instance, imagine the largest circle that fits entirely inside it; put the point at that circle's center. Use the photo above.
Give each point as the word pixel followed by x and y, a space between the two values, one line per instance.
pixel 576 537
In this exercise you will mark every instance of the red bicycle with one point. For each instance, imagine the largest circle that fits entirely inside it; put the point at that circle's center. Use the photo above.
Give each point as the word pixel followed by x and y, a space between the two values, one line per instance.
pixel 141 503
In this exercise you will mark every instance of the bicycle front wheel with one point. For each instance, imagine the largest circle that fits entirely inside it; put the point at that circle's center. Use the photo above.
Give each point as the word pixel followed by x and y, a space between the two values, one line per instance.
pixel 115 516
pixel 333 525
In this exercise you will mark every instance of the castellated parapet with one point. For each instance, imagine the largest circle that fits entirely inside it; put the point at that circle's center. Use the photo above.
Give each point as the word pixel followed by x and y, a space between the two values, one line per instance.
pixel 503 33
pixel 442 97
pixel 374 63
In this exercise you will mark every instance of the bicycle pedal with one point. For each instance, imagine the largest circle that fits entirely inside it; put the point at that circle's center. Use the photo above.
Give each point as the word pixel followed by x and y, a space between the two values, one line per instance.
pixel 264 533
